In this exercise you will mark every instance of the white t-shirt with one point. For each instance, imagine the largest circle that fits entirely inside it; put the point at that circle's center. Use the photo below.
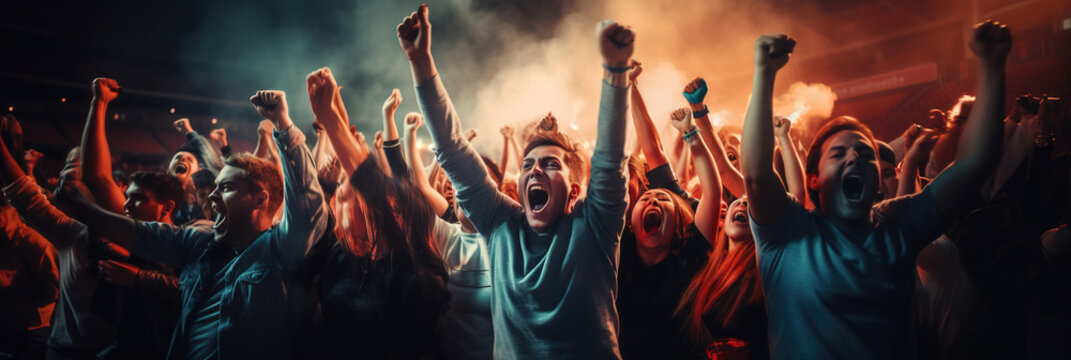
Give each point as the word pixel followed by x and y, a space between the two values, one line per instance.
pixel 843 293
pixel 467 331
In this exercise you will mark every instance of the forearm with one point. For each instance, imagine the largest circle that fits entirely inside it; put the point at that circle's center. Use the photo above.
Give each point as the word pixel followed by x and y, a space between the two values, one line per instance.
pixel 793 169
pixel 345 145
pixel 304 211
pixel 416 164
pixel 381 159
pixel 708 211
pixel 265 147
pixel 980 144
pixel 97 160
pixel 117 228
pixel 9 168
pixel 503 161
pixel 646 132
pixel 909 178
pixel 390 129
pixel 157 284
pixel 516 151
pixel 764 188
pixel 731 178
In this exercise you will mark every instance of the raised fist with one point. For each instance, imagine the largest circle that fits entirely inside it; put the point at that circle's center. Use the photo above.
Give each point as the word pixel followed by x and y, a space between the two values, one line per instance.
pixel 615 43
pixel 183 125
pixel 392 102
pixel 32 157
pixel 219 136
pixel 414 33
pixel 772 51
pixel 413 121
pixel 378 142
pixel 471 134
pixel 696 90
pixel 548 123
pixel 265 128
pixel 682 120
pixel 322 92
pixel 506 131
pixel 271 104
pixel 637 69
pixel 782 126
pixel 105 89
pixel 991 41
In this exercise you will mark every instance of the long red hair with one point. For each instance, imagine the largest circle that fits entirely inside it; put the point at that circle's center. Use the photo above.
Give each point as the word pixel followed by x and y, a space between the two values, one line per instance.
pixel 728 282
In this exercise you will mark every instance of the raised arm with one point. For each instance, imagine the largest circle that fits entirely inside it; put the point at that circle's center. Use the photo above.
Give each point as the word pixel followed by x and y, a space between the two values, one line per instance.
pixel 507 137
pixel 210 156
pixel 915 161
pixel 794 177
pixel 96 155
pixel 265 145
pixel 413 122
pixel 646 132
pixel 219 137
pixel 381 156
pixel 304 218
pixel 765 192
pixel 695 92
pixel 329 113
pixel 708 212
pixel 980 145
pixel 474 189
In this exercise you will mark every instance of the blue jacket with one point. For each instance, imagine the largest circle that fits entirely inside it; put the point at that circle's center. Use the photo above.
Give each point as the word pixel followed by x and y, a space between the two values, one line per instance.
pixel 261 302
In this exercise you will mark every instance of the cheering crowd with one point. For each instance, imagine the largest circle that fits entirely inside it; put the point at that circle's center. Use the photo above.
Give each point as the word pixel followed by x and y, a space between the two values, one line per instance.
pixel 944 243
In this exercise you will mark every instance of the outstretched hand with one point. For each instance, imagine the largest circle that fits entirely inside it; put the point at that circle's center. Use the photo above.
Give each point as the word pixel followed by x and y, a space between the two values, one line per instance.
pixel 772 52
pixel 32 157
pixel 413 121
pixel 105 89
pixel 392 102
pixel 616 43
pixel 696 90
pixel 414 34
pixel 682 120
pixel 991 41
pixel 183 125
pixel 271 104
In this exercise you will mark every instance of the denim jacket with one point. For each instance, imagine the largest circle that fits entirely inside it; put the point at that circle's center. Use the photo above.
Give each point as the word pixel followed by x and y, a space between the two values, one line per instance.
pixel 261 302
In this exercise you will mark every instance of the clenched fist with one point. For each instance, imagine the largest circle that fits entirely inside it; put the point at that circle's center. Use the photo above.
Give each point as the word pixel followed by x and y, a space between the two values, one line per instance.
pixel 991 41
pixel 271 104
pixel 682 120
pixel 616 43
pixel 413 121
pixel 772 51
pixel 392 102
pixel 105 89
pixel 183 125
pixel 782 126
pixel 414 33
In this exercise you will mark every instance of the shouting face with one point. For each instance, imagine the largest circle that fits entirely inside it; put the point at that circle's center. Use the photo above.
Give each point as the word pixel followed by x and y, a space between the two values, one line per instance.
pixel 236 201
pixel 654 219
pixel 847 179
pixel 545 191
pixel 737 221
pixel 183 165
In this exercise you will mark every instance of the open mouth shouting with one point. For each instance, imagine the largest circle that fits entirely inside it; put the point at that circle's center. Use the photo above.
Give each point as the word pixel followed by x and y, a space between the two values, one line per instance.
pixel 181 168
pixel 853 187
pixel 739 217
pixel 652 219
pixel 219 226
pixel 537 197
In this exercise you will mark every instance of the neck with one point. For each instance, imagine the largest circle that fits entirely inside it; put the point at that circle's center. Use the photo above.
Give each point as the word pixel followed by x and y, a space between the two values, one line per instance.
pixel 652 256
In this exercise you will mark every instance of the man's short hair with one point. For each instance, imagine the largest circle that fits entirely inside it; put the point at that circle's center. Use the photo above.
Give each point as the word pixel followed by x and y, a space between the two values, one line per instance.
pixel 163 187
pixel 814 153
pixel 572 157
pixel 262 174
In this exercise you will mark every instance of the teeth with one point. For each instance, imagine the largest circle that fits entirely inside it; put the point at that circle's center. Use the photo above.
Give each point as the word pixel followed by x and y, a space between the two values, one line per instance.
pixel 535 187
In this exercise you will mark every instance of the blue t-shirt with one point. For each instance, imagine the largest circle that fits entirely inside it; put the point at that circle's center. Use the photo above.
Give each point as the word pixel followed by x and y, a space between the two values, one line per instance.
pixel 834 292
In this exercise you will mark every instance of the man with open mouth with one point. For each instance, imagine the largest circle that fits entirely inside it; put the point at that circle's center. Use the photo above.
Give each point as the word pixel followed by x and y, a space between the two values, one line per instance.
pixel 838 280
pixel 239 297
pixel 553 257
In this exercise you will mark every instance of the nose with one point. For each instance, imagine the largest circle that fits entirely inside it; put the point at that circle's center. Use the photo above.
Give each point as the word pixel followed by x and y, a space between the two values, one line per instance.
pixel 214 194
pixel 536 170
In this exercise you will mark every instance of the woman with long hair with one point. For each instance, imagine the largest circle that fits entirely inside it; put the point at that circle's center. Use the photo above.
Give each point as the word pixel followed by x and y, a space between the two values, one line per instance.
pixel 723 304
